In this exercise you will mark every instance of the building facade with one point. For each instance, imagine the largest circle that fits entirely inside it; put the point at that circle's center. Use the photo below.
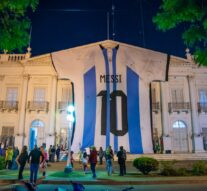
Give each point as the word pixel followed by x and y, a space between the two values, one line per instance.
pixel 34 99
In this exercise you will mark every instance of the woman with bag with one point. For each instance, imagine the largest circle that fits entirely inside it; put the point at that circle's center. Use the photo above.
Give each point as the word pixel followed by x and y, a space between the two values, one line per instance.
pixel 22 159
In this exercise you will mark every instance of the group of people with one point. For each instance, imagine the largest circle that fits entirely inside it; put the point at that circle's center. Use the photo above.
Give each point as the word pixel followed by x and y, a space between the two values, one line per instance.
pixel 10 154
pixel 36 158
pixel 92 157
pixel 54 151
pixel 39 157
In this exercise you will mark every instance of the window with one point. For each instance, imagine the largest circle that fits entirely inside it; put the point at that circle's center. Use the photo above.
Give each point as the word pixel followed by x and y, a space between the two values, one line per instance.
pixel 153 95
pixel 39 94
pixel 179 124
pixel 177 95
pixel 203 95
pixel 37 123
pixel 7 136
pixel 12 94
pixel 65 94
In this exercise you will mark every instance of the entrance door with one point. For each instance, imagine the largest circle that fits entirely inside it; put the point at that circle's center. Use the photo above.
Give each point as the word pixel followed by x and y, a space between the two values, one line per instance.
pixel 180 138
pixel 33 138
pixel 36 134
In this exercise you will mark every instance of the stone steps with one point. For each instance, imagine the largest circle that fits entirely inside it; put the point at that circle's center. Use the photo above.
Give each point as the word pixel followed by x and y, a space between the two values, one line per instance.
pixel 185 156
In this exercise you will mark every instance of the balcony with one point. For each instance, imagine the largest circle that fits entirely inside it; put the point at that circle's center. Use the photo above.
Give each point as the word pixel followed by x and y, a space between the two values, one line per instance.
pixel 62 105
pixel 179 107
pixel 9 106
pixel 155 107
pixel 202 107
pixel 12 57
pixel 38 106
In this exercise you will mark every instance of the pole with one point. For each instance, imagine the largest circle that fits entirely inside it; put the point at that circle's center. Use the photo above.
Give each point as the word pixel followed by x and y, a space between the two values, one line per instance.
pixel 69 167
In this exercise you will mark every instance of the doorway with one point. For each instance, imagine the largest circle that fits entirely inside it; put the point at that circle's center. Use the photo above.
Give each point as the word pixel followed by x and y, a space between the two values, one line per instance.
pixel 180 138
pixel 36 134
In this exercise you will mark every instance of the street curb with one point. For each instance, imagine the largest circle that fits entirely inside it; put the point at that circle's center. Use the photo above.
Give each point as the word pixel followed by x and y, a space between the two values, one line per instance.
pixel 111 182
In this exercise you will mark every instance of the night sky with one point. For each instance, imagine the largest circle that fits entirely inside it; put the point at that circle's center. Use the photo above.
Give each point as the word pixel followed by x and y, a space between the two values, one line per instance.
pixel 63 24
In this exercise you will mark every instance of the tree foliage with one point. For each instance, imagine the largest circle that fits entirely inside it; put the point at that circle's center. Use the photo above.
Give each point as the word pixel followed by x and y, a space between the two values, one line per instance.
pixel 191 13
pixel 15 24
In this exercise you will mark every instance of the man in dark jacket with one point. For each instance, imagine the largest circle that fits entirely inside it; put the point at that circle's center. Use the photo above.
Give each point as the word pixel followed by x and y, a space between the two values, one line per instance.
pixel 35 155
pixel 121 160
pixel 93 160
pixel 22 159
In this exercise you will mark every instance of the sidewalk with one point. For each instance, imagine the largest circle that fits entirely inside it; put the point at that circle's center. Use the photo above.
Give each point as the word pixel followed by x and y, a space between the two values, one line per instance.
pixel 56 175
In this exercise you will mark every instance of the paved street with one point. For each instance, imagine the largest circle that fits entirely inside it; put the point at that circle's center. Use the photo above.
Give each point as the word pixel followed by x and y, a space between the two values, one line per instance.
pixel 169 187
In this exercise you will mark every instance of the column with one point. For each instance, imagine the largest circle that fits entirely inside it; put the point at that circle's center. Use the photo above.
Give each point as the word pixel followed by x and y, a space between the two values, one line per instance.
pixel 50 132
pixel 197 140
pixel 167 145
pixel 20 138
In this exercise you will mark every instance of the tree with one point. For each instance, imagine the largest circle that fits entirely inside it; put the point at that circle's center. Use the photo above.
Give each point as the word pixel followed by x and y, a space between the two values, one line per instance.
pixel 191 13
pixel 15 23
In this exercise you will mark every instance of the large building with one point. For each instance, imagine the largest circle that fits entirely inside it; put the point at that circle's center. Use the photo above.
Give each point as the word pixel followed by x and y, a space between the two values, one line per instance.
pixel 123 95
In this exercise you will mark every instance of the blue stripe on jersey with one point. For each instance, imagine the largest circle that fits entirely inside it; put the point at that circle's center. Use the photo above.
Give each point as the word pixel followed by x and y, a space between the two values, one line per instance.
pixel 114 53
pixel 104 50
pixel 89 108
pixel 135 138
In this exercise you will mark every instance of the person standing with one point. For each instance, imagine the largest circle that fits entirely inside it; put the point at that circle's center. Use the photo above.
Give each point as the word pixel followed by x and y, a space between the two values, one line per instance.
pixel 35 155
pixel 14 157
pixel 85 162
pixel 50 153
pixel 53 153
pixel 1 150
pixel 43 165
pixel 109 157
pixel 22 159
pixel 8 158
pixel 121 160
pixel 101 155
pixel 58 153
pixel 93 160
pixel 125 157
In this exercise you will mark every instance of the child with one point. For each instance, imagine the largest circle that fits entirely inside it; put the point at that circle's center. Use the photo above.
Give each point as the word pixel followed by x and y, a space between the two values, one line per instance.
pixel 85 162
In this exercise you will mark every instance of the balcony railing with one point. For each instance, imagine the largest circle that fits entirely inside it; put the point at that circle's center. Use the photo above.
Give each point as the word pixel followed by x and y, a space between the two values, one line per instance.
pixel 179 107
pixel 156 107
pixel 62 105
pixel 12 57
pixel 202 107
pixel 9 105
pixel 38 106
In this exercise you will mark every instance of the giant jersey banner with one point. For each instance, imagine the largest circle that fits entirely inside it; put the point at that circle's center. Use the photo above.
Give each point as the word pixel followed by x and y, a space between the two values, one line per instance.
pixel 111 89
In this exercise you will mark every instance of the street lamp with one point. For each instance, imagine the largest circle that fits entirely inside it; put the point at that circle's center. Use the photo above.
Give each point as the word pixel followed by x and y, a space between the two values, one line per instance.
pixel 70 119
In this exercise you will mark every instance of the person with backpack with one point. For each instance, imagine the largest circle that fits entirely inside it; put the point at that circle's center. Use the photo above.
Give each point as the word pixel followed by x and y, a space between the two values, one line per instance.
pixel 121 160
pixel 109 158
pixel 22 159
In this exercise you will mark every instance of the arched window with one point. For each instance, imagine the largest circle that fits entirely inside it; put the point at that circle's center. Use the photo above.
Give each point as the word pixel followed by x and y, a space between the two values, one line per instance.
pixel 179 124
pixel 37 123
